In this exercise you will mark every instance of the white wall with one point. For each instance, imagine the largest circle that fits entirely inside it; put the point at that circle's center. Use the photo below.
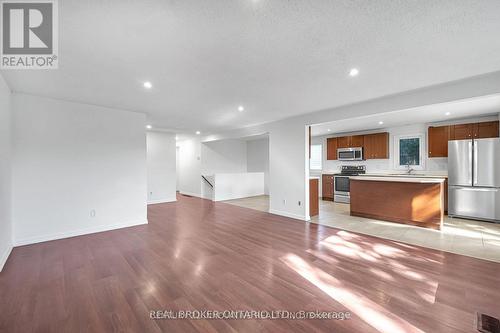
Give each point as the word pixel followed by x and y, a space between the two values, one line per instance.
pixel 258 159
pixel 218 157
pixel 226 156
pixel 288 165
pixel 5 173
pixel 161 161
pixel 190 166
pixel 238 185
pixel 177 183
pixel 71 160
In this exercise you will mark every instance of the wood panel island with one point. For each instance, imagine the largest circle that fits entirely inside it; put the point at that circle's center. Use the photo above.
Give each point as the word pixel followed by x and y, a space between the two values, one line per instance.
pixel 409 200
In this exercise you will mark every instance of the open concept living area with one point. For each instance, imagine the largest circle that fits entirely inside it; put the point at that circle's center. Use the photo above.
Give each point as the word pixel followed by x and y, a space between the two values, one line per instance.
pixel 250 166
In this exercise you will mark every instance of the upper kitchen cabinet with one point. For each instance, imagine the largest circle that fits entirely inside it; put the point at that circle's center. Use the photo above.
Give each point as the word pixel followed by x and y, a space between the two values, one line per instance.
pixel 357 140
pixel 438 136
pixel 461 132
pixel 344 142
pixel 353 141
pixel 488 129
pixel 485 130
pixel 438 141
pixel 331 148
pixel 376 146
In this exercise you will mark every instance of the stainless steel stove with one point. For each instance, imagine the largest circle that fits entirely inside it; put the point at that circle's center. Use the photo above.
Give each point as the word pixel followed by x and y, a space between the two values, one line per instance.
pixel 341 192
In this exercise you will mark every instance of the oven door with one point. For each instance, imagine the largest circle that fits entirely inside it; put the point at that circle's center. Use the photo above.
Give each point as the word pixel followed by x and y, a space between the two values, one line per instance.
pixel 341 185
pixel 341 189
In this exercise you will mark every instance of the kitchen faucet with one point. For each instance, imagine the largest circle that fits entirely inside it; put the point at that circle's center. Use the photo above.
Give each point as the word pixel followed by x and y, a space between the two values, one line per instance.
pixel 410 169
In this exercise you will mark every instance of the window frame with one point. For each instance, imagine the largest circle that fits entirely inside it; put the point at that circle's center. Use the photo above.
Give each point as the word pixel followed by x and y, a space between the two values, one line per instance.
pixel 321 157
pixel 397 139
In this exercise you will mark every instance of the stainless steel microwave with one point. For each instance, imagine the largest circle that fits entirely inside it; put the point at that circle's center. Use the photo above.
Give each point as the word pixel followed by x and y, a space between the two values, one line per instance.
pixel 350 154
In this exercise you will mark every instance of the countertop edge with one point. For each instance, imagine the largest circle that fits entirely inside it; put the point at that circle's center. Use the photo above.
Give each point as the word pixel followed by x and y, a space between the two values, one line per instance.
pixel 429 180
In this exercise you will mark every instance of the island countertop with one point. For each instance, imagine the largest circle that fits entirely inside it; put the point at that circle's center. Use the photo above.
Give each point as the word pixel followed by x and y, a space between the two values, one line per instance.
pixel 404 179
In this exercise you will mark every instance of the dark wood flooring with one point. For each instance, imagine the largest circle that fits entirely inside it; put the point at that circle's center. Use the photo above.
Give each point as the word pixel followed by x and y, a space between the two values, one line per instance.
pixel 195 254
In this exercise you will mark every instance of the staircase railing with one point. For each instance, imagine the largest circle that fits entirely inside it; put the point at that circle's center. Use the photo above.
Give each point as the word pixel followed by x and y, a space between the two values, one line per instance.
pixel 209 183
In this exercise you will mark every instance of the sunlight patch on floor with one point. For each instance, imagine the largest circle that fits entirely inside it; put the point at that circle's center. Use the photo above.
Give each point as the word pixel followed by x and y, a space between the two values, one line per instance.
pixel 369 311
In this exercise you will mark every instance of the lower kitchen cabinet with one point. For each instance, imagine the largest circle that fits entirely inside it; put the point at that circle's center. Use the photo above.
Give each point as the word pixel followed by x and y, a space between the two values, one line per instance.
pixel 313 197
pixel 327 187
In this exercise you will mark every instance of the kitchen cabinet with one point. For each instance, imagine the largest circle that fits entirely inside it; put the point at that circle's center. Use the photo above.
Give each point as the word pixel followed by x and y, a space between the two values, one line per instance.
pixel 376 146
pixel 438 141
pixel 398 201
pixel 327 187
pixel 350 141
pixel 484 130
pixel 439 136
pixel 357 140
pixel 331 148
pixel 462 131
pixel 344 142
pixel 313 197
pixel 488 129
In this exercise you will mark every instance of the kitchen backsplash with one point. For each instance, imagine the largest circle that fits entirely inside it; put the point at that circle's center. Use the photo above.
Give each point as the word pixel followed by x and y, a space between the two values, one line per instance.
pixel 438 165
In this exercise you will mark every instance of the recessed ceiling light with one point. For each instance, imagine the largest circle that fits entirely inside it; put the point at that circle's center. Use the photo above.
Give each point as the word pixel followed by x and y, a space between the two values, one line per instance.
pixel 241 108
pixel 380 122
pixel 448 113
pixel 198 132
pixel 149 126
pixel 354 72
pixel 328 130
pixel 148 85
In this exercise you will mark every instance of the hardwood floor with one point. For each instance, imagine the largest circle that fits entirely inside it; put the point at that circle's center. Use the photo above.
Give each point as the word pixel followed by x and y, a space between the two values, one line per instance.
pixel 195 254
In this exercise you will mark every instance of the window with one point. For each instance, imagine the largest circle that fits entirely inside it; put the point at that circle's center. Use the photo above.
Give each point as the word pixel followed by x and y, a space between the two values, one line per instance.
pixel 409 151
pixel 316 157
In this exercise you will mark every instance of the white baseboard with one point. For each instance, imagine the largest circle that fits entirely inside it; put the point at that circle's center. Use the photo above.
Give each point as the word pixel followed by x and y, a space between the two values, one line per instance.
pixel 159 201
pixel 4 256
pixel 79 232
pixel 286 214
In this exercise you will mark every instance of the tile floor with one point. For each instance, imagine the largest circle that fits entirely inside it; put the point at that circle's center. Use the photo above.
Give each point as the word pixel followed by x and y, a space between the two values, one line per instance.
pixel 466 237
pixel 260 202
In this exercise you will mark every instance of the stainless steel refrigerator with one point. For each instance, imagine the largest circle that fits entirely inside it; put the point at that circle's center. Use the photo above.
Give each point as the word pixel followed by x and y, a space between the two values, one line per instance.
pixel 474 179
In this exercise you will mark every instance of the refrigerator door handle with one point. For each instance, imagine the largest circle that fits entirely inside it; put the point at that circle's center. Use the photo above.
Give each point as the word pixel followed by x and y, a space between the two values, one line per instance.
pixel 474 163
pixel 476 189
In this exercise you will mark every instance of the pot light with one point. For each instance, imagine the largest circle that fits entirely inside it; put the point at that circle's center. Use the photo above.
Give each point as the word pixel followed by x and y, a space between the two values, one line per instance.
pixel 241 108
pixel 328 130
pixel 148 85
pixel 198 132
pixel 354 72
pixel 149 126
pixel 380 122
pixel 448 113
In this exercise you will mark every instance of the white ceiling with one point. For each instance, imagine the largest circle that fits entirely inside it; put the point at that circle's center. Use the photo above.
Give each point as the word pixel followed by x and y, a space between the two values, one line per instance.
pixel 278 58
pixel 444 112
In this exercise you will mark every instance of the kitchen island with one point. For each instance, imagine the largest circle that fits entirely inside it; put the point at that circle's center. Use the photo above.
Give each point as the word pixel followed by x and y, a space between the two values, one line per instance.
pixel 409 200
